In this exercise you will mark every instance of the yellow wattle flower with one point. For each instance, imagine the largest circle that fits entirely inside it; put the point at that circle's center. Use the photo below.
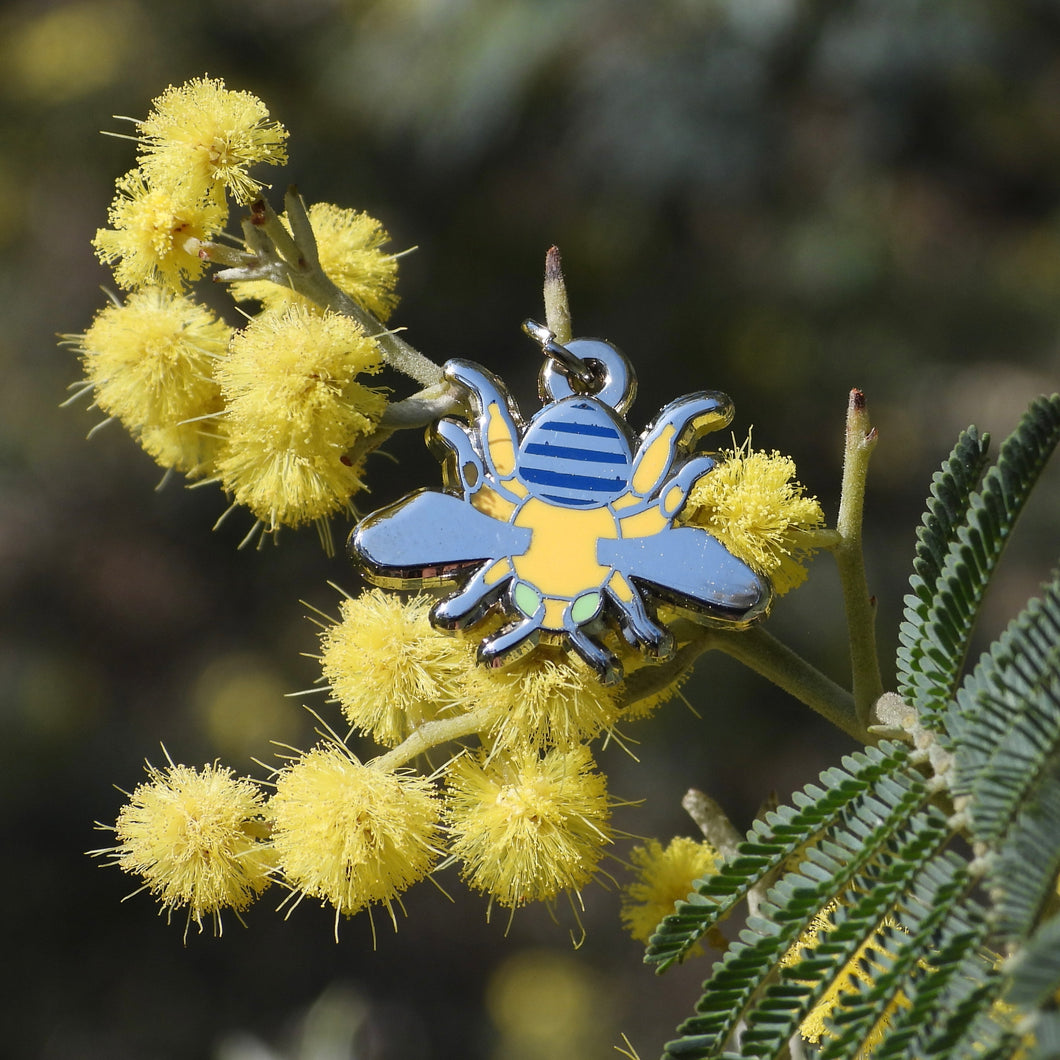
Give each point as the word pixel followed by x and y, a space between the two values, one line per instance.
pixel 664 875
pixel 546 699
pixel 350 834
pixel 202 138
pixel 150 363
pixel 195 837
pixel 155 234
pixel 294 406
pixel 753 504
pixel 389 668
pixel 527 827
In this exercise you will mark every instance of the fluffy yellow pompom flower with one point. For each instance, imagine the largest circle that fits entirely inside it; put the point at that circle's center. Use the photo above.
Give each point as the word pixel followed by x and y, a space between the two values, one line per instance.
pixel 389 668
pixel 528 827
pixel 664 876
pixel 294 407
pixel 155 234
pixel 545 699
pixel 646 670
pixel 150 363
pixel 753 505
pixel 350 834
pixel 202 137
pixel 194 837
pixel 349 247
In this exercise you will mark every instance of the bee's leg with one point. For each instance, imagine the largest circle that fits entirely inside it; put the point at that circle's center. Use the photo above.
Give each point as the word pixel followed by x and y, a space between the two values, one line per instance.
pixel 462 463
pixel 596 655
pixel 495 415
pixel 675 491
pixel 511 643
pixel 465 607
pixel 638 627
pixel 675 431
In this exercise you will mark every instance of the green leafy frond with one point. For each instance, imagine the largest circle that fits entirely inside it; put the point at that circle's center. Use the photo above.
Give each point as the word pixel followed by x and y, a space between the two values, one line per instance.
pixel 867 861
pixel 952 984
pixel 935 643
pixel 929 921
pixel 1005 725
pixel 1047 1038
pixel 947 506
pixel 989 1036
pixel 1035 967
pixel 1022 877
pixel 772 840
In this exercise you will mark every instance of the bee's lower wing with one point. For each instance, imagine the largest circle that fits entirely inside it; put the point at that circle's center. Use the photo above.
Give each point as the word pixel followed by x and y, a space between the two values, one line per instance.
pixel 686 566
pixel 430 538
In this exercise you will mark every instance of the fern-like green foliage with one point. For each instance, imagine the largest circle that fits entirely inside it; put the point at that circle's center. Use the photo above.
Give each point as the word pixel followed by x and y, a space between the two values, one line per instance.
pixel 962 536
pixel 906 906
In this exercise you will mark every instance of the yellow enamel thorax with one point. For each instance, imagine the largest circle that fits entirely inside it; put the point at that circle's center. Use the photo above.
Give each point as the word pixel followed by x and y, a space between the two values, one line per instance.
pixel 561 566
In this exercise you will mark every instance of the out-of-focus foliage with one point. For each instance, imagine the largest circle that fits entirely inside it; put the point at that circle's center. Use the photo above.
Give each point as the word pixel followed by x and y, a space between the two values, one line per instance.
pixel 777 199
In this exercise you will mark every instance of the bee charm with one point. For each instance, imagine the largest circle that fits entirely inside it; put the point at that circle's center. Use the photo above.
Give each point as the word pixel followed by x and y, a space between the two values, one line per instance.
pixel 566 521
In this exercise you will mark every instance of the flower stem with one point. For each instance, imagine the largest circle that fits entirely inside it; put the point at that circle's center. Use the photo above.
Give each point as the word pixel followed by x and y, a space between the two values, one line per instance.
pixel 290 258
pixel 762 652
pixel 431 734
pixel 766 655
pixel 861 438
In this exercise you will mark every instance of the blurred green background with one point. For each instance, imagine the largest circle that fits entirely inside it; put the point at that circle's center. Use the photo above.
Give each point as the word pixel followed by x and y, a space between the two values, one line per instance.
pixel 777 199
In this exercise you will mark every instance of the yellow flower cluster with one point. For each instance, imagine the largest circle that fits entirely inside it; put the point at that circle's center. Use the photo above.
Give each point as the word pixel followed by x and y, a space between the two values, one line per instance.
pixel 349 834
pixel 664 875
pixel 527 819
pixel 196 840
pixel 525 826
pixel 293 408
pixel 279 411
pixel 272 410
pixel 752 503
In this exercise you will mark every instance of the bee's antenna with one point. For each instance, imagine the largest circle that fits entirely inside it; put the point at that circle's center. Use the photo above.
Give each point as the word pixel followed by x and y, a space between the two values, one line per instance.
pixel 572 364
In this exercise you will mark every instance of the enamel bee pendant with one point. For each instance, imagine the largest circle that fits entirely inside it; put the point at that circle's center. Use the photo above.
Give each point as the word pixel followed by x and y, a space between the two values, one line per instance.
pixel 566 523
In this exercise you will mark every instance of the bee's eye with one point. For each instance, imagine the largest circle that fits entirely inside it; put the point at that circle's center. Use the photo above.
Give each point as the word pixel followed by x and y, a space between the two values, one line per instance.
pixel 470 474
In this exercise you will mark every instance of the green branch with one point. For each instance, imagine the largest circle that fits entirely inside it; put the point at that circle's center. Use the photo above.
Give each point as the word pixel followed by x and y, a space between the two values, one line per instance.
pixel 861 438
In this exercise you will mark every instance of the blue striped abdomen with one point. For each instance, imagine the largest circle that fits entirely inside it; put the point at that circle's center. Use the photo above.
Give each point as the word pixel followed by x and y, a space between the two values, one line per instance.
pixel 576 454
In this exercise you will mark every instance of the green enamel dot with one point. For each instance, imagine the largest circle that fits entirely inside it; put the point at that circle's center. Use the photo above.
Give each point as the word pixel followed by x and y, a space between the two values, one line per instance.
pixel 527 599
pixel 584 608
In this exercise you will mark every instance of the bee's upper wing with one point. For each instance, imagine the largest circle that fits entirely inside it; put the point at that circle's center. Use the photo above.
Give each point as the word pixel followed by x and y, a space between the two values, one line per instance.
pixel 430 538
pixel 688 567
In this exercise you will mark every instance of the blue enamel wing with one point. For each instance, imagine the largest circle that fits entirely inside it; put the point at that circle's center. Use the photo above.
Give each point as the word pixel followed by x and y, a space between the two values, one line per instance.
pixel 565 523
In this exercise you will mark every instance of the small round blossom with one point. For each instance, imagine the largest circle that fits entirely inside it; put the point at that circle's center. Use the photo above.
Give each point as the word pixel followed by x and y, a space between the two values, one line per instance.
pixel 753 505
pixel 389 668
pixel 155 234
pixel 528 827
pixel 150 363
pixel 636 662
pixel 545 699
pixel 349 245
pixel 664 875
pixel 350 834
pixel 202 137
pixel 294 407
pixel 195 838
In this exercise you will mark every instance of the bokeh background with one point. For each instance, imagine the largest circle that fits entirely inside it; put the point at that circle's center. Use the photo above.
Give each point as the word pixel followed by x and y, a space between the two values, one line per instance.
pixel 777 199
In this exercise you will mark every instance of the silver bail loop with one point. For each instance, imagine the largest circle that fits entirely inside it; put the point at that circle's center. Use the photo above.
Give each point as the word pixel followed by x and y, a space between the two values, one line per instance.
pixel 607 375
pixel 571 363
